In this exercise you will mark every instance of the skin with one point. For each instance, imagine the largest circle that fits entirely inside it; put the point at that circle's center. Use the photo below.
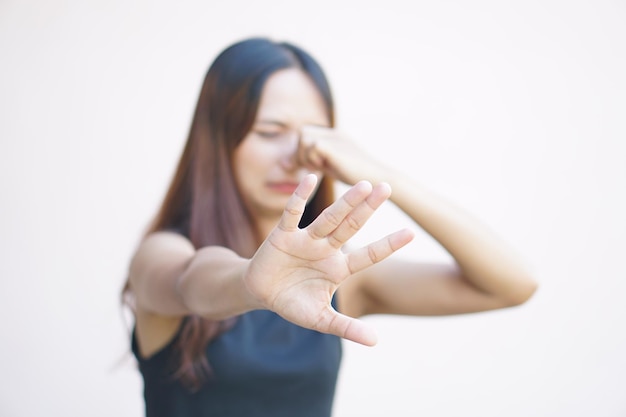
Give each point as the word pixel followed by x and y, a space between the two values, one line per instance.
pixel 265 169
pixel 295 272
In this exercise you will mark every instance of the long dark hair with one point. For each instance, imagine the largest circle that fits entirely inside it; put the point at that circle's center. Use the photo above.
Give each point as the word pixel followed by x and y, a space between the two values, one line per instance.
pixel 202 201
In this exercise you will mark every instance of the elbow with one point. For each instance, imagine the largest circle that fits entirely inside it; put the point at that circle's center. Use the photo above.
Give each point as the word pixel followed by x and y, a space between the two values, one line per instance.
pixel 523 291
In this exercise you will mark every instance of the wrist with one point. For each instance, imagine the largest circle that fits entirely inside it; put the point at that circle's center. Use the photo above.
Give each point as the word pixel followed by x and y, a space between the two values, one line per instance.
pixel 213 285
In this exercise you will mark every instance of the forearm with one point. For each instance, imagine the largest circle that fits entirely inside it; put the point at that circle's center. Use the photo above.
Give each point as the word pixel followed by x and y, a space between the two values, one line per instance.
pixel 212 285
pixel 169 277
pixel 485 260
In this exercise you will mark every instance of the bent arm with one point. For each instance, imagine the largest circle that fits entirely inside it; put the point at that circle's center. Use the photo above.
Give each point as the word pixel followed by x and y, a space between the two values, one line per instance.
pixel 487 274
pixel 485 261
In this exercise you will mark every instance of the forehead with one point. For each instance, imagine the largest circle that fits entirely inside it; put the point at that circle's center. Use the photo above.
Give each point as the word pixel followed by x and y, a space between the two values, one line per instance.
pixel 290 96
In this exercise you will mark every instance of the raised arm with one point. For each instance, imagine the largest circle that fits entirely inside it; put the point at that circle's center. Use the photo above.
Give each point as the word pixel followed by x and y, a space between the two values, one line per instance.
pixel 169 277
pixel 294 273
pixel 487 273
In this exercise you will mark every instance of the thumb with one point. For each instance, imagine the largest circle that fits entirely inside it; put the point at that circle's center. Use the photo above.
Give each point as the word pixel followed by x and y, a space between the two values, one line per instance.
pixel 347 327
pixel 308 155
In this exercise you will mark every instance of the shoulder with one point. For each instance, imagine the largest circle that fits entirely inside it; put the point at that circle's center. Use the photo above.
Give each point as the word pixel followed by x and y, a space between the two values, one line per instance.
pixel 159 255
pixel 159 247
pixel 166 238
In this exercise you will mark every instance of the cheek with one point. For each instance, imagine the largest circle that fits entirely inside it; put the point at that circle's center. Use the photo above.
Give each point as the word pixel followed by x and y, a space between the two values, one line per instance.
pixel 250 159
pixel 255 152
pixel 242 152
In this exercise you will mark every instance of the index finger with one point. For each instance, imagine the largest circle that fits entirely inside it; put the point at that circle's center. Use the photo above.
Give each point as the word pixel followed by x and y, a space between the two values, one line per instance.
pixel 377 251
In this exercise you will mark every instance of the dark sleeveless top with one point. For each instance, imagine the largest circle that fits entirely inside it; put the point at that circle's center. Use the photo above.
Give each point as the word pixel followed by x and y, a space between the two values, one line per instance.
pixel 263 366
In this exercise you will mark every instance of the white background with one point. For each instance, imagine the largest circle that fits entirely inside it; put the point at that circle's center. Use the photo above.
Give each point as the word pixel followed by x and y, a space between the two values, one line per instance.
pixel 515 110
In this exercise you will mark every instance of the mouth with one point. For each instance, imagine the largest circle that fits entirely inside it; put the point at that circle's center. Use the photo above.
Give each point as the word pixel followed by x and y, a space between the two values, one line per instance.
pixel 283 187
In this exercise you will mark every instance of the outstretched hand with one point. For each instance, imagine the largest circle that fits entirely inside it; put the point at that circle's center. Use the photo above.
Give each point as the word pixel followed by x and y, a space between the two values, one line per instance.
pixel 295 272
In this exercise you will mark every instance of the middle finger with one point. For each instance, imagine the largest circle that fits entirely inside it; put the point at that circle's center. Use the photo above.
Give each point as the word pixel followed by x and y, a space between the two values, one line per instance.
pixel 355 220
pixel 334 215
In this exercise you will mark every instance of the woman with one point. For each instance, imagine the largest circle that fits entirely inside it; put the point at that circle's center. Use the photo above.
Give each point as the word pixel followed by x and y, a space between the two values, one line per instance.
pixel 242 287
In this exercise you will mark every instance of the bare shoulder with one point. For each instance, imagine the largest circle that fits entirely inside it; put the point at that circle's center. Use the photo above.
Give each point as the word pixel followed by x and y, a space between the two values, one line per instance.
pixel 159 251
pixel 162 242
pixel 158 260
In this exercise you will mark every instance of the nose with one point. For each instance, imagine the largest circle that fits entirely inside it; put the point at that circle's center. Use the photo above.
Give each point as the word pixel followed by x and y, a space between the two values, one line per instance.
pixel 289 158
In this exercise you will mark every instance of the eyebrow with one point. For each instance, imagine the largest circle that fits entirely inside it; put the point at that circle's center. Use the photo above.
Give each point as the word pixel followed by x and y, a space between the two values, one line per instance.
pixel 271 122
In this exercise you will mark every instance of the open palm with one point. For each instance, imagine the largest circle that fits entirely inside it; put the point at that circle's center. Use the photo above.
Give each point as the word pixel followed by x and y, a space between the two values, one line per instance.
pixel 296 271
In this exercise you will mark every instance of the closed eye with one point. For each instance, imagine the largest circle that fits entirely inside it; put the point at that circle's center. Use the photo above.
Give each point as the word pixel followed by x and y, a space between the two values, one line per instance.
pixel 270 129
pixel 268 134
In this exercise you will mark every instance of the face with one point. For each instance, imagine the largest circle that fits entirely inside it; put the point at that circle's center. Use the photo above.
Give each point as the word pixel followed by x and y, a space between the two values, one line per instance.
pixel 264 165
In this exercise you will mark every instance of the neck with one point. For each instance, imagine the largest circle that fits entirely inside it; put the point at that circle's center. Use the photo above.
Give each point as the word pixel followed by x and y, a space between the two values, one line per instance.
pixel 264 226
